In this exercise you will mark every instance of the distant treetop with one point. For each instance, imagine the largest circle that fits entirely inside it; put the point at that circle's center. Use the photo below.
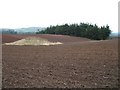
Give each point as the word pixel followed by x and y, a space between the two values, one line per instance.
pixel 80 30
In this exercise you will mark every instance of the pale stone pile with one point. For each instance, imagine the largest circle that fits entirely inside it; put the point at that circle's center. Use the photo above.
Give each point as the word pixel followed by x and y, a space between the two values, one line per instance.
pixel 33 41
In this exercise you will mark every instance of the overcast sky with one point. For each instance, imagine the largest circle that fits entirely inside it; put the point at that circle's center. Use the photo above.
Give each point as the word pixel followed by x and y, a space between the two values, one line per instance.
pixel 43 13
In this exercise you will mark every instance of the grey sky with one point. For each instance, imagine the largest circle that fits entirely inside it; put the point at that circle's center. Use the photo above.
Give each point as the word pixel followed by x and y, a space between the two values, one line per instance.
pixel 43 13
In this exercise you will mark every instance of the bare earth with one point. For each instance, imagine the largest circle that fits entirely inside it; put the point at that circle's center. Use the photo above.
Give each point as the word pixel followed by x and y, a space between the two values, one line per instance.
pixel 78 63
pixel 0 73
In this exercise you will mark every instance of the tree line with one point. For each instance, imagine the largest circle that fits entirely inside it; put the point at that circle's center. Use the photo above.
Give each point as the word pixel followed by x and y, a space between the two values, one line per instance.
pixel 8 31
pixel 80 30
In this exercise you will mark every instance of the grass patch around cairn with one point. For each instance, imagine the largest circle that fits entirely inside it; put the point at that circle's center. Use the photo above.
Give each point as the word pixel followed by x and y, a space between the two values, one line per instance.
pixel 33 41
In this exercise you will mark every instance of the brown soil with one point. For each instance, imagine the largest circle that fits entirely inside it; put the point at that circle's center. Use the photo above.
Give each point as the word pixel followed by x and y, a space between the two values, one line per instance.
pixel 74 65
pixel 6 38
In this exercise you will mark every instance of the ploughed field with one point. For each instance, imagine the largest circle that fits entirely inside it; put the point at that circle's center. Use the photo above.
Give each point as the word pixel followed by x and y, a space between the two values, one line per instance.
pixel 77 63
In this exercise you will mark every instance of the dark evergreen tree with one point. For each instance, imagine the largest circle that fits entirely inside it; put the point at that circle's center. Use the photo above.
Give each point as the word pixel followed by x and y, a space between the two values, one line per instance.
pixel 82 30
